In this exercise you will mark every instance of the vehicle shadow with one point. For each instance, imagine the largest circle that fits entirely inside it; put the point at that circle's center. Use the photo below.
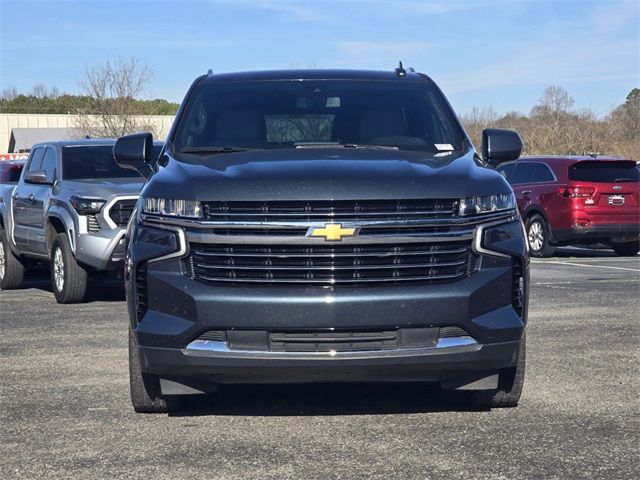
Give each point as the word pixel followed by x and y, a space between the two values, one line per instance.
pixel 98 290
pixel 325 399
pixel 577 252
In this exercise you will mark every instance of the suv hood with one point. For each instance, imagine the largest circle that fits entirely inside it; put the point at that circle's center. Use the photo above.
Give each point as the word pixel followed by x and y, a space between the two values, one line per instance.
pixel 103 188
pixel 322 174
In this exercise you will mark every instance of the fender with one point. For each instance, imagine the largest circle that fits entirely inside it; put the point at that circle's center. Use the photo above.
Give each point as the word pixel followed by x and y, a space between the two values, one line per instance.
pixel 7 221
pixel 70 227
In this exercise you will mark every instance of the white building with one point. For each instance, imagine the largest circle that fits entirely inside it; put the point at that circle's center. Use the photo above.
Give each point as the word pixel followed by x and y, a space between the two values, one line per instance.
pixel 57 127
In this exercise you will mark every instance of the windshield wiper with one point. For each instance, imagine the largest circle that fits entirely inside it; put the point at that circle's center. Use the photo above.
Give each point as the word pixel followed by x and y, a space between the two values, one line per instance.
pixel 213 150
pixel 344 145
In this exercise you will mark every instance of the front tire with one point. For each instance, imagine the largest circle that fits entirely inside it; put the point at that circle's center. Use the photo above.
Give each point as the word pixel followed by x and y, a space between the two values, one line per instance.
pixel 628 249
pixel 11 269
pixel 68 278
pixel 538 237
pixel 146 395
pixel 510 383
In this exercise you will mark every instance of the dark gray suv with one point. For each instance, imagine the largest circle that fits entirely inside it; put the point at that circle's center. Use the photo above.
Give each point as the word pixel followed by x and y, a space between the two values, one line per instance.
pixel 323 226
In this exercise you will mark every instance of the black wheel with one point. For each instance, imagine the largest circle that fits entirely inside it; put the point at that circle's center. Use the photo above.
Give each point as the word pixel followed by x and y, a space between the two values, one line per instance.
pixel 510 383
pixel 538 237
pixel 146 395
pixel 11 269
pixel 68 278
pixel 628 249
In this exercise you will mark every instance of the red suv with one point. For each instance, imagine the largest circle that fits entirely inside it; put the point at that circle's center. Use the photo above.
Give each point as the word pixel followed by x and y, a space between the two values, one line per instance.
pixel 577 200
pixel 10 170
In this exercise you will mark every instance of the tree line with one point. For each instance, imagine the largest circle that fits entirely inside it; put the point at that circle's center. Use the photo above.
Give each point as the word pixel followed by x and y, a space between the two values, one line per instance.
pixel 70 104
pixel 111 104
pixel 554 126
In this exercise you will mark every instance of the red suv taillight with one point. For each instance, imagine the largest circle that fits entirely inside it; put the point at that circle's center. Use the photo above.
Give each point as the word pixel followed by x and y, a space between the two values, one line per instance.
pixel 577 192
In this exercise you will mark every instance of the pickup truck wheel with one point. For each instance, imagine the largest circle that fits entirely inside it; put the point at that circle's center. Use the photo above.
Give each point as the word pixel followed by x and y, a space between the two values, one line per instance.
pixel 538 237
pixel 68 278
pixel 11 269
pixel 628 249
pixel 510 383
pixel 146 395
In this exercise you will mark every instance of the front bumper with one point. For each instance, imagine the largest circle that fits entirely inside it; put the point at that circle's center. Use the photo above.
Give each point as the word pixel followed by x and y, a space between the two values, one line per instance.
pixel 103 250
pixel 435 364
pixel 598 233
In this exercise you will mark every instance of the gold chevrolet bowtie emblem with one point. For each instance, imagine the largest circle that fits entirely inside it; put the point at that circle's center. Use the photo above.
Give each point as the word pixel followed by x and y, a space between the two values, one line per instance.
pixel 332 232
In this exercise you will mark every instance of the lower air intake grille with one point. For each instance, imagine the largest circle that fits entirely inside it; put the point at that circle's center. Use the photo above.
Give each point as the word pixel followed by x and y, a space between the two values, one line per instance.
pixel 448 332
pixel 92 224
pixel 214 335
pixel 328 265
pixel 141 291
pixel 517 292
pixel 333 341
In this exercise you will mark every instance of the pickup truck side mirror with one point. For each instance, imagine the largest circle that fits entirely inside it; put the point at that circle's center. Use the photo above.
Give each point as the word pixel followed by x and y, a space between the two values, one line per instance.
pixel 499 146
pixel 135 152
pixel 39 177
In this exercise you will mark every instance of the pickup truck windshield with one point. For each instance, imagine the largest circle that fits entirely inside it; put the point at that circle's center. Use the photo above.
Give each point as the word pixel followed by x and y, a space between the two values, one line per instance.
pixel 309 113
pixel 86 162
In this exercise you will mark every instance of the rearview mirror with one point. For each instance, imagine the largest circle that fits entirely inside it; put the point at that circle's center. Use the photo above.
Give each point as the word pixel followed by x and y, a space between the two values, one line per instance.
pixel 499 146
pixel 39 177
pixel 134 152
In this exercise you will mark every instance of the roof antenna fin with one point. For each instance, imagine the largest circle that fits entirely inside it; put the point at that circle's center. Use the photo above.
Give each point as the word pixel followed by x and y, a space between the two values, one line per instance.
pixel 400 71
pixel 210 71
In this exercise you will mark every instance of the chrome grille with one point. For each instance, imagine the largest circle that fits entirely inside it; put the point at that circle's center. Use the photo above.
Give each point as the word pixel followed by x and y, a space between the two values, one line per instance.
pixel 120 212
pixel 330 211
pixel 330 264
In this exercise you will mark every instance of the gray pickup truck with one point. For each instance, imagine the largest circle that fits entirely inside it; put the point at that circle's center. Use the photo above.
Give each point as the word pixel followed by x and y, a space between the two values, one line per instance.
pixel 69 208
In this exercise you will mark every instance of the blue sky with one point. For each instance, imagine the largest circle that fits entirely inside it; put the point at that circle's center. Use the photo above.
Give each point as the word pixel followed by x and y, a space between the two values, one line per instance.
pixel 499 53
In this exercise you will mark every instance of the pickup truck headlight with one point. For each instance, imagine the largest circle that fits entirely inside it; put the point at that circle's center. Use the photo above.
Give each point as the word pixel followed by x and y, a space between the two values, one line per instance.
pixel 86 206
pixel 487 204
pixel 172 208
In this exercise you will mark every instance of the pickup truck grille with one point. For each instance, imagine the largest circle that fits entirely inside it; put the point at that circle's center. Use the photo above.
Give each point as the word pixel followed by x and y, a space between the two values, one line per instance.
pixel 328 265
pixel 121 211
pixel 330 211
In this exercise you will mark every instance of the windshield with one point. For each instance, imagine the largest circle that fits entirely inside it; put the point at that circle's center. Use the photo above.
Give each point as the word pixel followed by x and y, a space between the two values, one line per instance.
pixel 314 113
pixel 85 162
pixel 604 172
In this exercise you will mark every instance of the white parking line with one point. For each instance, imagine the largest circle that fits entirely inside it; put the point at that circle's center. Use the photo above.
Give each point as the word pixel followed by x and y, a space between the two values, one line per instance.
pixel 592 266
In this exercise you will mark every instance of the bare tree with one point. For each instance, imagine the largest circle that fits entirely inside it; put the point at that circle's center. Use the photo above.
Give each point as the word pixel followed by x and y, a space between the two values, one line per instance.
pixel 113 89
pixel 624 126
pixel 39 90
pixel 554 127
pixel 9 94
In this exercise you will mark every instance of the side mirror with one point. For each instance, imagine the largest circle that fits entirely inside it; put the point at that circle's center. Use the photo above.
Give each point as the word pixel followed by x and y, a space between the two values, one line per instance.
pixel 135 152
pixel 499 146
pixel 39 177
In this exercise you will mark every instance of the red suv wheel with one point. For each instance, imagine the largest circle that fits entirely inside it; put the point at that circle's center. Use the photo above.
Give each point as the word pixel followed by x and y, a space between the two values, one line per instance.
pixel 538 237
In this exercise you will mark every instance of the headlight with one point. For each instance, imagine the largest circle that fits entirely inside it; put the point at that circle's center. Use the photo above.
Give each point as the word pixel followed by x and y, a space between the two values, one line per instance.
pixel 487 204
pixel 86 206
pixel 172 207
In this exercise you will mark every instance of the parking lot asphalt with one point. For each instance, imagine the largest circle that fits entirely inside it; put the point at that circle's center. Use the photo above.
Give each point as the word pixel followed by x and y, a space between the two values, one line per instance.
pixel 65 411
